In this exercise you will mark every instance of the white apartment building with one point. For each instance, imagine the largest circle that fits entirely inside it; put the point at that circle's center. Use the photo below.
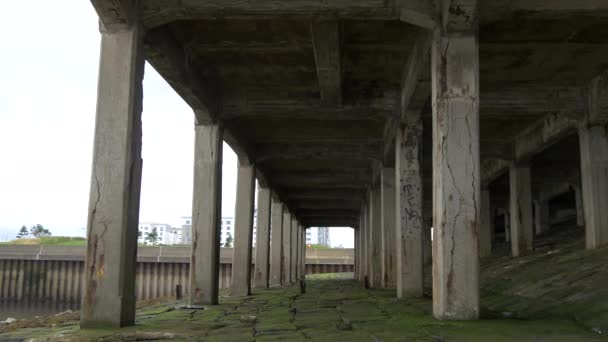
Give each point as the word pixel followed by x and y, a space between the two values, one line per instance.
pixel 317 236
pixel 227 229
pixel 166 234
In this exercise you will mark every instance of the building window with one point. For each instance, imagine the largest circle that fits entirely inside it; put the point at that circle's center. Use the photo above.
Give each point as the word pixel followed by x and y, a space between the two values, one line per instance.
pixel 187 221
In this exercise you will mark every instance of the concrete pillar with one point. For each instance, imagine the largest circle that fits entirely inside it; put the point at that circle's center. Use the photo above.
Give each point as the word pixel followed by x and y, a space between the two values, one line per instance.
pixel 580 211
pixel 456 177
pixel 262 243
pixel 243 231
pixel 389 230
pixel 541 216
pixel 109 288
pixel 507 218
pixel 408 197
pixel 485 231
pixel 276 243
pixel 363 242
pixel 286 264
pixel 293 250
pixel 376 238
pixel 303 253
pixel 522 231
pixel 206 215
pixel 593 142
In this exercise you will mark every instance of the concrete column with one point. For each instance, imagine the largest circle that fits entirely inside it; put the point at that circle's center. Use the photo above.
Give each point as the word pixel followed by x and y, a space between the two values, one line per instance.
pixel 593 142
pixel 286 268
pixel 376 239
pixel 243 231
pixel 206 215
pixel 541 216
pixel 303 253
pixel 522 231
pixel 262 243
pixel 485 231
pixel 408 197
pixel 456 177
pixel 580 211
pixel 368 233
pixel 294 249
pixel 276 244
pixel 109 287
pixel 389 230
pixel 357 254
pixel 507 226
pixel 363 242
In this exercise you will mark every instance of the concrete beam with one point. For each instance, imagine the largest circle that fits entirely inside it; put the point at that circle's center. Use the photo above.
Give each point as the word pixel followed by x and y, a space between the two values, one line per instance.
pixel 542 134
pixel 418 13
pixel 206 215
pixel 326 44
pixel 456 168
pixel 109 284
pixel 243 231
pixel 492 169
pixel 324 194
pixel 458 15
pixel 269 152
pixel 331 204
pixel 262 245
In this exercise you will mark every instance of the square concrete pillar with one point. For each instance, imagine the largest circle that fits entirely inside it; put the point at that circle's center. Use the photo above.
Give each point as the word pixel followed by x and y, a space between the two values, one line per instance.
pixel 593 142
pixel 408 198
pixel 507 217
pixel 357 254
pixel 376 239
pixel 276 243
pixel 485 231
pixel 286 264
pixel 262 243
pixel 303 253
pixel 522 231
pixel 363 222
pixel 456 175
pixel 293 250
pixel 206 215
pixel 243 231
pixel 389 230
pixel 109 284
pixel 580 210
pixel 541 216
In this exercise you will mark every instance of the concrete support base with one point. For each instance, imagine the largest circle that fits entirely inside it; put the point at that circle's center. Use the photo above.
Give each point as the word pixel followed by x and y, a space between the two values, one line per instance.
pixel 522 231
pixel 243 231
pixel 594 179
pixel 276 244
pixel 109 288
pixel 409 228
pixel 206 215
pixel 262 243
pixel 456 176
pixel 389 230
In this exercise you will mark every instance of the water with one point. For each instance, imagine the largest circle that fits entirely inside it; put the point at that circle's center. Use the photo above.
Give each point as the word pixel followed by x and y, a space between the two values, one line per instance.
pixel 29 310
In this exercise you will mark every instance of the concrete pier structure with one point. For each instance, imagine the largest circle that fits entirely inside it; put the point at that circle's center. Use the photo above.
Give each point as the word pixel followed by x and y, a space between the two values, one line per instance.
pixel 109 294
pixel 321 98
pixel 276 245
pixel 262 245
pixel 389 229
pixel 243 231
pixel 206 215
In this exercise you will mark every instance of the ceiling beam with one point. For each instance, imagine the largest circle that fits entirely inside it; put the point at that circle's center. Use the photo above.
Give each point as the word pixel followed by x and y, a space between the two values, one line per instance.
pixel 419 13
pixel 326 44
pixel 542 134
pixel 327 204
pixel 269 152
pixel 294 193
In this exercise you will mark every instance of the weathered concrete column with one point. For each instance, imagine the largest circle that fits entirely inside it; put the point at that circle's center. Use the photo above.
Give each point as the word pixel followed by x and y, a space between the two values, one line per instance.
pixel 593 141
pixel 286 272
pixel 363 242
pixel 408 194
pixel 243 231
pixel 376 239
pixel 276 243
pixel 294 249
pixel 303 253
pixel 262 244
pixel 389 230
pixel 206 215
pixel 357 252
pixel 580 210
pixel 109 284
pixel 522 231
pixel 485 231
pixel 507 217
pixel 541 216
pixel 456 177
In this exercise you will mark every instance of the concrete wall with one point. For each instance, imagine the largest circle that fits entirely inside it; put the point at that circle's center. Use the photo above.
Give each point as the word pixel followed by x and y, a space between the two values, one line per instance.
pixel 55 273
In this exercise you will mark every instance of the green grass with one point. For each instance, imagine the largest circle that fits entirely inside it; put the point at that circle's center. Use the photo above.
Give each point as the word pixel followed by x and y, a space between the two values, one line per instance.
pixel 50 241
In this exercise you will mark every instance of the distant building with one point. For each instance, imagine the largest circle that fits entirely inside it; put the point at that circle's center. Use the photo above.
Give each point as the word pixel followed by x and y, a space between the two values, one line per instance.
pixel 227 229
pixel 166 234
pixel 317 236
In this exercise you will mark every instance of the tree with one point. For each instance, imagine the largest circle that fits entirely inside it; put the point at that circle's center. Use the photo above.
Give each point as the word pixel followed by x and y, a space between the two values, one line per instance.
pixel 228 243
pixel 152 237
pixel 23 233
pixel 39 231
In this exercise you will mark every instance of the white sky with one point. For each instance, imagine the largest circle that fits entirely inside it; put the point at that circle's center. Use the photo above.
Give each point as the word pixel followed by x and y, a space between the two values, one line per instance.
pixel 48 85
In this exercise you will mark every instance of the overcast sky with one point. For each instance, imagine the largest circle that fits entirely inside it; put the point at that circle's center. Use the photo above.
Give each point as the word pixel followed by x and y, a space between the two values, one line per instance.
pixel 48 85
